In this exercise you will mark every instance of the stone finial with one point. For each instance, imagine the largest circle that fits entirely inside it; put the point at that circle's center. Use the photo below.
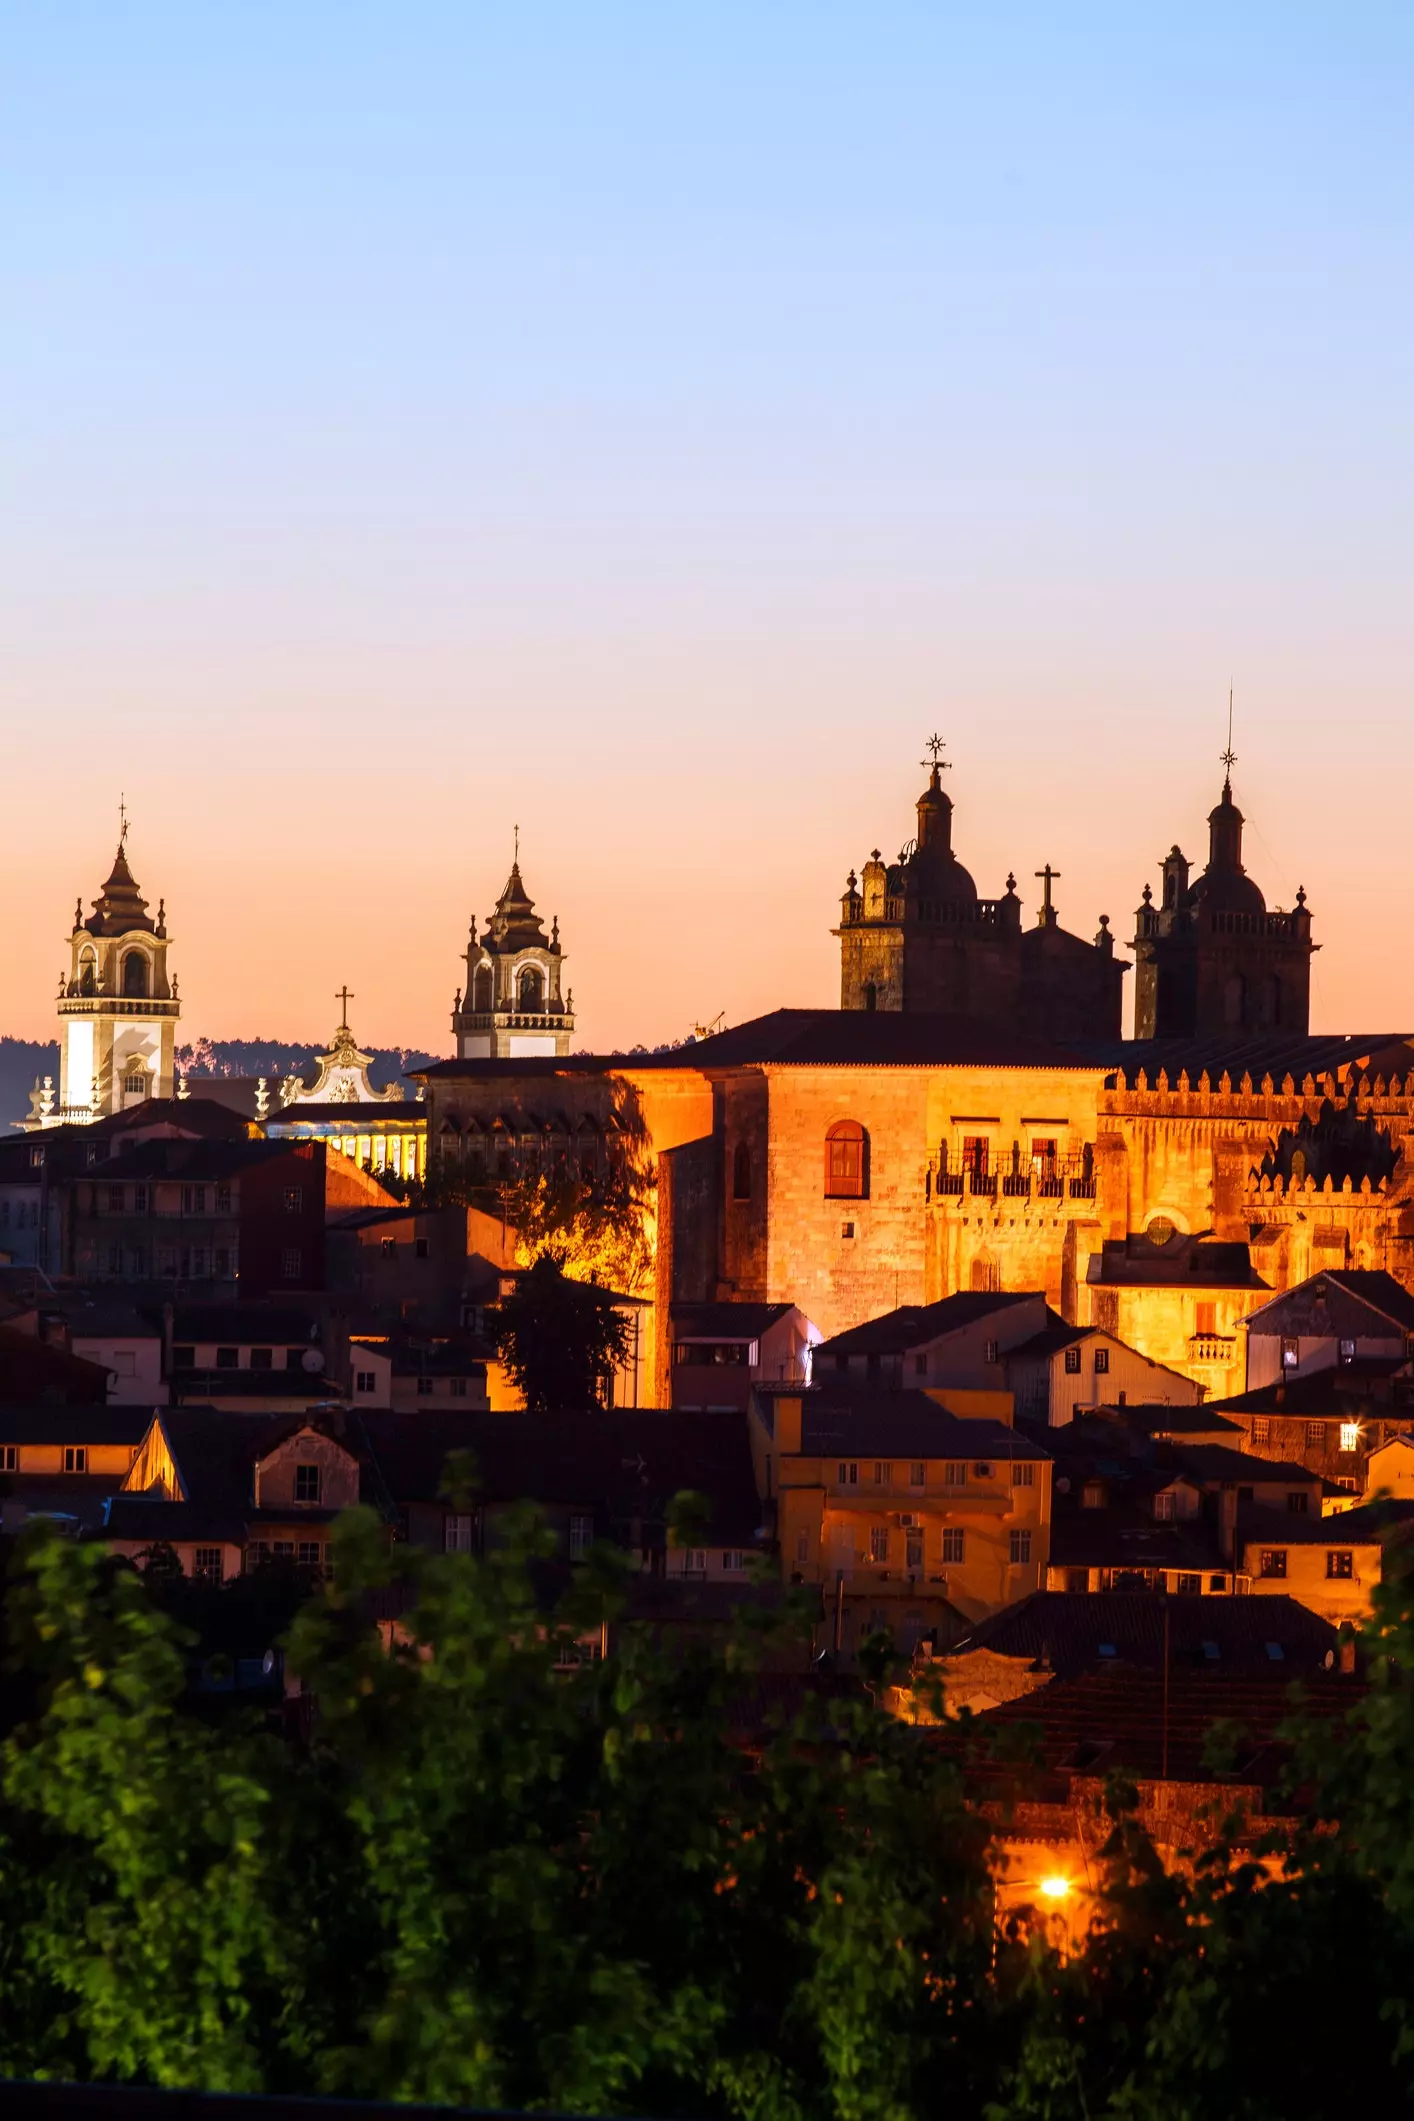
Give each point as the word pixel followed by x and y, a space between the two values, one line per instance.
pixel 183 1090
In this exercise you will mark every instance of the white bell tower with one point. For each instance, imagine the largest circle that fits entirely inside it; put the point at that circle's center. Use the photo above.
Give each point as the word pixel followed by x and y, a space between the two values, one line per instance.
pixel 118 1009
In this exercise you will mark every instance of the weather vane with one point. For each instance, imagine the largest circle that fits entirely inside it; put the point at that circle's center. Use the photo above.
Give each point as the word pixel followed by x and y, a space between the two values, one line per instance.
pixel 122 819
pixel 1229 757
pixel 934 744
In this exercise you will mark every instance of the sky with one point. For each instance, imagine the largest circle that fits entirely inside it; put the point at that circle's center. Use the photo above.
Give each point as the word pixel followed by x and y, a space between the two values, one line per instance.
pixel 645 426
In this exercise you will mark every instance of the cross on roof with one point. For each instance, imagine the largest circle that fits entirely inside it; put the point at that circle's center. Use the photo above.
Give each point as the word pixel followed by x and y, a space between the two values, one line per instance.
pixel 345 995
pixel 122 819
pixel 1048 876
pixel 934 744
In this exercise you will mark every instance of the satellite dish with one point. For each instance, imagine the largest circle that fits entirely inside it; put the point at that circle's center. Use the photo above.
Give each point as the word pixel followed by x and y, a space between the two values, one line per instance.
pixel 312 1360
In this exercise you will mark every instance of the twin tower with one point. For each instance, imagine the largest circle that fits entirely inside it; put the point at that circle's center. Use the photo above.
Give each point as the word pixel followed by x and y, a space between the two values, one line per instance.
pixel 1210 958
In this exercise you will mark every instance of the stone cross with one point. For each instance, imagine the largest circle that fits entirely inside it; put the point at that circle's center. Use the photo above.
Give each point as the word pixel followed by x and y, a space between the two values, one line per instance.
pixel 345 996
pixel 1048 876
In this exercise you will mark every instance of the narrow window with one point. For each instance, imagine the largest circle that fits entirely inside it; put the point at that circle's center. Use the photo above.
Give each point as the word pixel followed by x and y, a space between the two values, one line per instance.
pixel 75 1458
pixel 1102 1362
pixel 306 1483
pixel 846 1161
pixel 1072 1362
pixel 741 1172
pixel 878 1542
pixel 1019 1548
pixel 954 1543
pixel 1290 1354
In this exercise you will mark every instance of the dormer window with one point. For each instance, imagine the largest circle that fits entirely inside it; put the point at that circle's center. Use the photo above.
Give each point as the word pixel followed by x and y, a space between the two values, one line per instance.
pixel 307 1484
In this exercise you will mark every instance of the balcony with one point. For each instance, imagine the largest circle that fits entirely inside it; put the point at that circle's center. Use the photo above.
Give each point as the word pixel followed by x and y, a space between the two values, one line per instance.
pixel 513 1020
pixel 1213 1347
pixel 1057 1178
pixel 116 1005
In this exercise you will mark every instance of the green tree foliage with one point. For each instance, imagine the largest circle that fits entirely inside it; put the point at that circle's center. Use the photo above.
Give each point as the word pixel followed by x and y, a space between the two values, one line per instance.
pixel 492 1870
pixel 559 1339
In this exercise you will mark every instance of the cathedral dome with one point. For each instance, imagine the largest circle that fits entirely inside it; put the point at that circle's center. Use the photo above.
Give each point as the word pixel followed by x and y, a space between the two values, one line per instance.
pixel 935 872
pixel 1225 886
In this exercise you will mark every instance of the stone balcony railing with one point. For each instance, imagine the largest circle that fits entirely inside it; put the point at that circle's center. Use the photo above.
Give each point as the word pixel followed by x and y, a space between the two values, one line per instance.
pixel 117 1005
pixel 1212 1347
pixel 515 1020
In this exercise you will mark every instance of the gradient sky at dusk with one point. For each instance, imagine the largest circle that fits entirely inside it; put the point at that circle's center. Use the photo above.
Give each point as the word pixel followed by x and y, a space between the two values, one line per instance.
pixel 646 424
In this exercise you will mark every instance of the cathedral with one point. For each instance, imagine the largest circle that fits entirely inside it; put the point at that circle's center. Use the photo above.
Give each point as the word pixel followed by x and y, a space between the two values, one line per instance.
pixel 914 936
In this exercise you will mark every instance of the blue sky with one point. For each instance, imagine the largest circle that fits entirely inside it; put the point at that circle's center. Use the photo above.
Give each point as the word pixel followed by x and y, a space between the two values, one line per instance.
pixel 645 425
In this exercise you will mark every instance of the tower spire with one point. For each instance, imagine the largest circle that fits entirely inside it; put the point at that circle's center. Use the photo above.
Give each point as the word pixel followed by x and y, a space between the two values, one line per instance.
pixel 1229 757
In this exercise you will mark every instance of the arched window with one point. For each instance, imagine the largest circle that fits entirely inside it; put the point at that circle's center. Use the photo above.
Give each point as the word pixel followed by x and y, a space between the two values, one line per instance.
pixel 88 973
pixel 531 991
pixel 482 990
pixel 871 995
pixel 846 1161
pixel 986 1273
pixel 741 1172
pixel 135 975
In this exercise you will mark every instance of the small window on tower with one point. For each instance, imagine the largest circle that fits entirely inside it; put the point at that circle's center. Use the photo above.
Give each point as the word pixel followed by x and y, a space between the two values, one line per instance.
pixel 741 1172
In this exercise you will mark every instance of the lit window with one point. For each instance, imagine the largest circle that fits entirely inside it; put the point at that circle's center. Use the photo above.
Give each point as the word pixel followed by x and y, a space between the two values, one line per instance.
pixel 306 1483
pixel 1290 1354
pixel 1347 1352
pixel 1273 1561
pixel 845 1161
pixel 1340 1562
pixel 294 1200
pixel 954 1543
pixel 1350 1436
pixel 1020 1548
pixel 878 1542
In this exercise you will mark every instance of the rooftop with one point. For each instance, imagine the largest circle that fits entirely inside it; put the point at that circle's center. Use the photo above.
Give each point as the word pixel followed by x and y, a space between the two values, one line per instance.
pixel 912 1324
pixel 1073 1631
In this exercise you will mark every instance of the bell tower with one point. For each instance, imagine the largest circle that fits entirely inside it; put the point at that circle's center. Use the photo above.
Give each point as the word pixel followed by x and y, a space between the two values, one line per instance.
pixel 118 1009
pixel 513 1006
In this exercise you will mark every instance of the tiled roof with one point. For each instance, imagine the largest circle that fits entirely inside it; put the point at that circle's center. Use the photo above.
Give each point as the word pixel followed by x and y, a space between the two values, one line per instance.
pixel 726 1321
pixel 31 1370
pixel 1215 1461
pixel 1194 1263
pixel 49 1422
pixel 836 1419
pixel 1124 1536
pixel 1370 1287
pixel 1372 1523
pixel 188 1159
pixel 1074 1631
pixel 913 1324
pixel 1317 1393
pixel 244 1324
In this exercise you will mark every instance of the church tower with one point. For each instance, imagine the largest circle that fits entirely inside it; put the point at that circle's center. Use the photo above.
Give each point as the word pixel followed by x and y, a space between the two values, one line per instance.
pixel 512 1006
pixel 914 936
pixel 1210 957
pixel 118 1009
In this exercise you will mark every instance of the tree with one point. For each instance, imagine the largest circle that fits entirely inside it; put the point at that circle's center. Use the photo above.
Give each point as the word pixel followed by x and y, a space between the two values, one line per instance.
pixel 559 1339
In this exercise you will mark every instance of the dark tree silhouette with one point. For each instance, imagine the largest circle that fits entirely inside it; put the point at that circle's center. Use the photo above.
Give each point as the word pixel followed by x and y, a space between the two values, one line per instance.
pixel 559 1339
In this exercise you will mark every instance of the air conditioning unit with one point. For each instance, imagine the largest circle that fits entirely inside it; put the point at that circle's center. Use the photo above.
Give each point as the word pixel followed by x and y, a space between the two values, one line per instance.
pixel 985 1472
pixel 908 1520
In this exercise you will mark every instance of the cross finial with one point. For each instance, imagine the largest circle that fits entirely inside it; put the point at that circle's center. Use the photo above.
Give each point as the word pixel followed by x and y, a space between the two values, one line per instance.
pixel 516 856
pixel 345 996
pixel 1229 757
pixel 122 819
pixel 934 745
pixel 1048 876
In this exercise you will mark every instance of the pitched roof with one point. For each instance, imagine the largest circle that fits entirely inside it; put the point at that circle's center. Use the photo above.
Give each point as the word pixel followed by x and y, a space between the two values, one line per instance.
pixel 628 1461
pixel 1076 1631
pixel 31 1370
pixel 913 1324
pixel 835 1418
pixel 244 1324
pixel 726 1321
pixel 1370 1524
pixel 82 1424
pixel 1368 1286
pixel 1215 1461
pixel 193 1159
pixel 1314 1393
pixel 1194 1262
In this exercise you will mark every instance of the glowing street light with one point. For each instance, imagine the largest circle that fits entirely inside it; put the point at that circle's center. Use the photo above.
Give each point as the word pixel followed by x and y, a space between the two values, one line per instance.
pixel 1056 1888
